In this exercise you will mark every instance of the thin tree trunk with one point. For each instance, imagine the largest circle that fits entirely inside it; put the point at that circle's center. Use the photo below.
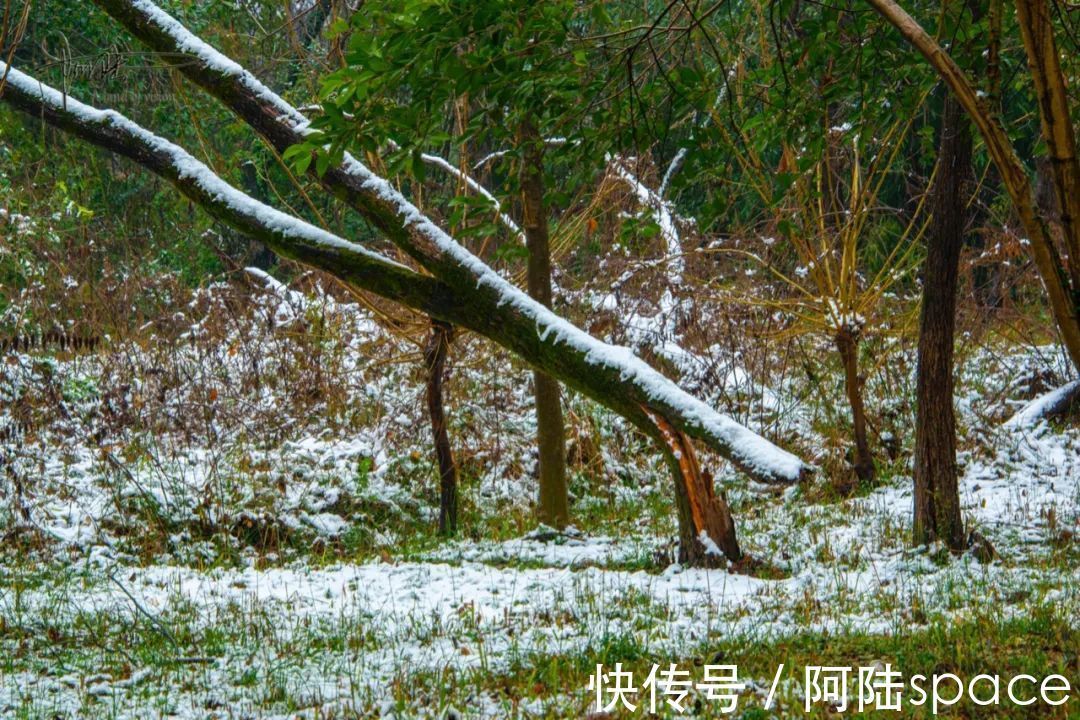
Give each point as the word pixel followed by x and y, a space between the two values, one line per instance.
pixel 258 255
pixel 937 498
pixel 706 527
pixel 847 345
pixel 554 504
pixel 1055 117
pixel 987 279
pixel 435 361
pixel 1062 295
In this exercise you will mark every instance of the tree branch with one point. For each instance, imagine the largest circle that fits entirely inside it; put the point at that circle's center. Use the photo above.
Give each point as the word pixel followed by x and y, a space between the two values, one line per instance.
pixel 606 367
pixel 480 301
pixel 1056 121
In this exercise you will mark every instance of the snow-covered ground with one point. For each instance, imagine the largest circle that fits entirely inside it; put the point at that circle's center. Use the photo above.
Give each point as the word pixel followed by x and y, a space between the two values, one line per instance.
pixel 427 616
pixel 283 578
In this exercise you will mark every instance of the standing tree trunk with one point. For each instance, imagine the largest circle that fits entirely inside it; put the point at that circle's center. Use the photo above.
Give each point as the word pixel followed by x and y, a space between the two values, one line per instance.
pixel 435 361
pixel 554 505
pixel 987 280
pixel 847 344
pixel 937 498
pixel 258 255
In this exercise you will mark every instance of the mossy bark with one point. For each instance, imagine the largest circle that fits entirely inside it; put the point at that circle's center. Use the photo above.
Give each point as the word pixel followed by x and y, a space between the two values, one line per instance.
pixel 553 497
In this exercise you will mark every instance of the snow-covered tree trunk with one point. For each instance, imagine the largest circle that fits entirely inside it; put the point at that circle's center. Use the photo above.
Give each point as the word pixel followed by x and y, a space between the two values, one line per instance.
pixel 587 363
pixel 461 289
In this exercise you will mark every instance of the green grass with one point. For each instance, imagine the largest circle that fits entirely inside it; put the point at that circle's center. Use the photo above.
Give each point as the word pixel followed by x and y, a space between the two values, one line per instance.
pixel 258 659
pixel 246 656
pixel 1040 644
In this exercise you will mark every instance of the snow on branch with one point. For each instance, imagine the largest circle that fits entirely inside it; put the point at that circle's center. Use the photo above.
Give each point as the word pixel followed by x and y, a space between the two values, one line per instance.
pixel 673 168
pixel 661 213
pixel 590 365
pixel 472 184
pixel 285 234
pixel 549 142
pixel 479 190
pixel 186 167
pixel 748 450
pixel 293 304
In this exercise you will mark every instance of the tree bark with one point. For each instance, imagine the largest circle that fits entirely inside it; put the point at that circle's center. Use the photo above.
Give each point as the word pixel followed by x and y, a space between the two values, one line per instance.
pixel 435 361
pixel 554 504
pixel 937 498
pixel 847 344
pixel 1063 296
pixel 706 527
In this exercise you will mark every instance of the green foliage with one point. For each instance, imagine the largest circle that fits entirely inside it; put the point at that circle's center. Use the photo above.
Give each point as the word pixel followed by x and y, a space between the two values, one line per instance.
pixel 460 78
pixel 511 59
pixel 130 213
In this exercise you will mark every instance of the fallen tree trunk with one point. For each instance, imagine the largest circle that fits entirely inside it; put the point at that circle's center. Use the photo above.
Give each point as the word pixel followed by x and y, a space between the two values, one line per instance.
pixel 611 375
pixel 481 301
pixel 1055 403
pixel 608 374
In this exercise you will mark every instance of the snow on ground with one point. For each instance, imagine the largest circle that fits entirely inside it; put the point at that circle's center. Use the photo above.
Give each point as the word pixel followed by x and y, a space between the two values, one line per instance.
pixel 479 610
pixel 430 616
pixel 279 479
